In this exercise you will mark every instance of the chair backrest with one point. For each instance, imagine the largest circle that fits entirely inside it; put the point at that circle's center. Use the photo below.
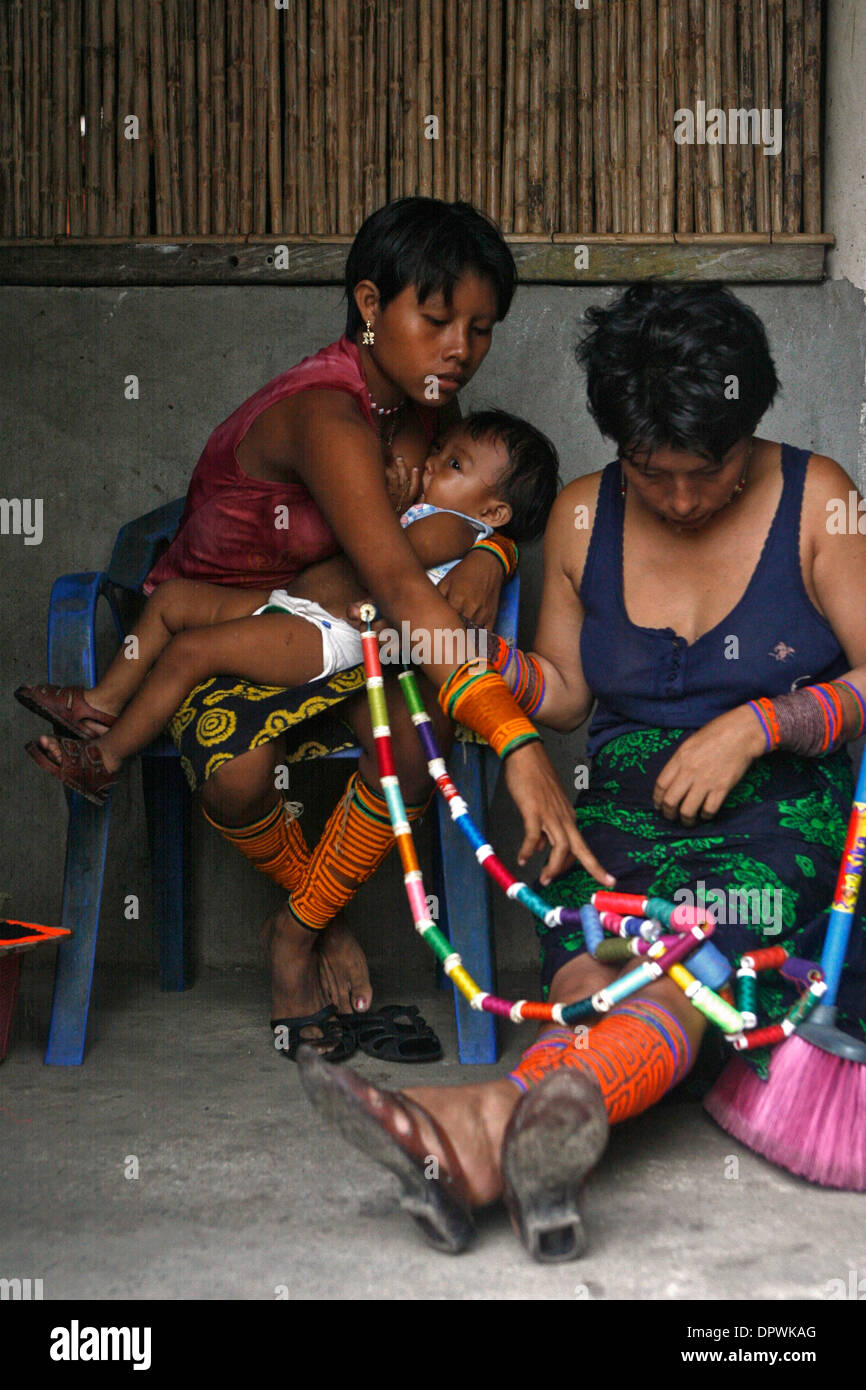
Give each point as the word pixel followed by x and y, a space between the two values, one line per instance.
pixel 509 603
pixel 139 544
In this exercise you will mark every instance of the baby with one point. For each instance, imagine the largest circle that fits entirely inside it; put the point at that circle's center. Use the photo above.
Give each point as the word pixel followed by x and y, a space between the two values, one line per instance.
pixel 491 471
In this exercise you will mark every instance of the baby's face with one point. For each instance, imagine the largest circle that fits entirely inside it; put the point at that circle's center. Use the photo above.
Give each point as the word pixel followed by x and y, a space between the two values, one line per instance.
pixel 462 474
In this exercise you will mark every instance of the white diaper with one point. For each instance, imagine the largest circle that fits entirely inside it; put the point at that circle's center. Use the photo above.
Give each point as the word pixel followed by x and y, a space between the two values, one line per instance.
pixel 341 643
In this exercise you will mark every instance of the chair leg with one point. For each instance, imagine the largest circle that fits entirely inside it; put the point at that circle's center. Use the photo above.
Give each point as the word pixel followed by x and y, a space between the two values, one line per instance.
pixel 86 842
pixel 465 909
pixel 10 970
pixel 166 804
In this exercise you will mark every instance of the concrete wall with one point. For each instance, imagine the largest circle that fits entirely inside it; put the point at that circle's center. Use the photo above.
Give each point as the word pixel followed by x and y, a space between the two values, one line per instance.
pixel 98 459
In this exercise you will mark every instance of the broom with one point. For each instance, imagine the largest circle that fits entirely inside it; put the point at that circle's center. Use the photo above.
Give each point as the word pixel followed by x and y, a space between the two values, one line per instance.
pixel 810 1116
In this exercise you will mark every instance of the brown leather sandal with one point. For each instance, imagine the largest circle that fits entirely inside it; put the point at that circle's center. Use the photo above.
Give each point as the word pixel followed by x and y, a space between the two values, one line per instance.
pixel 64 705
pixel 556 1134
pixel 366 1117
pixel 80 767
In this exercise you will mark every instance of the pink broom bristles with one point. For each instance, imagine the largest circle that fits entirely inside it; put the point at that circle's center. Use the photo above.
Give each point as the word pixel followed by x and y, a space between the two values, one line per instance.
pixel 809 1117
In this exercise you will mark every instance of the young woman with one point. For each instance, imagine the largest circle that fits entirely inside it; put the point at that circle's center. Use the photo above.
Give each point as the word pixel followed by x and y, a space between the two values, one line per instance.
pixel 694 589
pixel 297 473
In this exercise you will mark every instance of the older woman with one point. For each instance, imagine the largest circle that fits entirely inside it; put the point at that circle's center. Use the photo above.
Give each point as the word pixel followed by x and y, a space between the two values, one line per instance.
pixel 694 590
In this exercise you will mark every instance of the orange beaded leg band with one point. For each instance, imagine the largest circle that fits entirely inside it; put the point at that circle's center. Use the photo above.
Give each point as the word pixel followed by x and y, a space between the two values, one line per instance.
pixel 353 844
pixel 274 845
pixel 636 1054
pixel 483 702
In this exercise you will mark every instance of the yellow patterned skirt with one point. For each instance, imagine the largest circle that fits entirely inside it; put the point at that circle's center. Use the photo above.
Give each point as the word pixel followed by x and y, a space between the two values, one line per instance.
pixel 225 717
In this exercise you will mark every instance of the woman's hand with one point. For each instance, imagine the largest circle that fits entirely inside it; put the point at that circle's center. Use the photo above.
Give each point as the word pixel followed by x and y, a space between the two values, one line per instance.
pixel 402 482
pixel 473 587
pixel 696 780
pixel 548 817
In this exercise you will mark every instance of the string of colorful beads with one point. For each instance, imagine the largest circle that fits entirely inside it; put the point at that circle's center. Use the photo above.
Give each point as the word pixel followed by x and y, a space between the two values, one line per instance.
pixel 639 922
pixel 665 957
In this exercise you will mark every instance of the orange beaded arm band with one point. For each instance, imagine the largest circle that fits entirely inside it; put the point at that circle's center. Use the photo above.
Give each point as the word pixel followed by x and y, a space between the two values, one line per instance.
pixel 503 547
pixel 482 701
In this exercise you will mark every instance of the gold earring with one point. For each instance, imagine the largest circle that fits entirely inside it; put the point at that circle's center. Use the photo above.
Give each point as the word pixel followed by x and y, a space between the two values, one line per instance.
pixel 368 338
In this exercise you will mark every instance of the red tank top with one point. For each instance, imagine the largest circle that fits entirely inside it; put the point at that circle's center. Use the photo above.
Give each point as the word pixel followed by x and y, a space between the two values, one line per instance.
pixel 230 531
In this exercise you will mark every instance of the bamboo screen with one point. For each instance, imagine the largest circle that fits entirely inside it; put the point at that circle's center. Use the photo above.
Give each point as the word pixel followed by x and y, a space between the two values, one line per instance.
pixel 258 116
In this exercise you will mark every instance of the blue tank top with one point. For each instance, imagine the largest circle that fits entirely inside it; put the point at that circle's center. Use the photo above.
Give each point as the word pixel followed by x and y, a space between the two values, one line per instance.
pixel 773 641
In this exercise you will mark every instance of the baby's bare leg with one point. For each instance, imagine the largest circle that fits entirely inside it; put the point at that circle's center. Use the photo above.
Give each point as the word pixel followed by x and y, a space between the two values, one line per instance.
pixel 176 606
pixel 273 649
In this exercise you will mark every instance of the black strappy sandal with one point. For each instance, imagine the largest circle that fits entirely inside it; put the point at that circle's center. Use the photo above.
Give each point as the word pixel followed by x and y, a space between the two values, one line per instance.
pixel 557 1133
pixel 395 1033
pixel 336 1044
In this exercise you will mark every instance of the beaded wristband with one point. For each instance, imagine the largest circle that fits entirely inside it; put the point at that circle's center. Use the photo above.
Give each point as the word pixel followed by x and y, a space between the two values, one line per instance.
pixel 861 705
pixel 811 721
pixel 482 701
pixel 763 708
pixel 527 685
pixel 503 548
pixel 499 653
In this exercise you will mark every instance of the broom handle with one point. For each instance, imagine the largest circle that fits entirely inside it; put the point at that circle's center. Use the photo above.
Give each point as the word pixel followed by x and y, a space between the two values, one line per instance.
pixel 846 892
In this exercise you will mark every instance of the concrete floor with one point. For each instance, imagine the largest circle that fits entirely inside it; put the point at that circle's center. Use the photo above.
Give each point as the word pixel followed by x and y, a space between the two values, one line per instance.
pixel 242 1190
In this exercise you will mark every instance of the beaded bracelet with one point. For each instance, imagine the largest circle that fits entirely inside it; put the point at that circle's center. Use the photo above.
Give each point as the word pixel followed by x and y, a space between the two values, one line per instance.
pixel 503 547
pixel 528 686
pixel 810 721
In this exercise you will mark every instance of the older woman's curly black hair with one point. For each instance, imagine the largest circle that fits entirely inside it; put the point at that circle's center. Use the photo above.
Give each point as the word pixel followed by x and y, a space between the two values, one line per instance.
pixel 678 367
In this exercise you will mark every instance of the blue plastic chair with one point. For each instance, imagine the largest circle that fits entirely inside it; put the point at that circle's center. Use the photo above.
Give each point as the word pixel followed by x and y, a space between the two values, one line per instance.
pixel 462 887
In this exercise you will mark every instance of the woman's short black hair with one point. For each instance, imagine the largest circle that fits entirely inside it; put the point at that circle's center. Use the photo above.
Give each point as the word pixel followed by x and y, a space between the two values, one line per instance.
pixel 684 367
pixel 429 244
pixel 531 479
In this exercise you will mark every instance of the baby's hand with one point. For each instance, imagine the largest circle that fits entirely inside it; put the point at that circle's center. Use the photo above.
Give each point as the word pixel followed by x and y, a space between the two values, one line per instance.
pixel 403 483
pixel 353 617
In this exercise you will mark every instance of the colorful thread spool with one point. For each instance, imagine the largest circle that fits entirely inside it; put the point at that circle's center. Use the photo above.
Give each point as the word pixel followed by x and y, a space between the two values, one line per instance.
pixel 800 1011
pixel 747 996
pixel 615 950
pixel 593 932
pixel 770 958
pixel 763 1037
pixel 801 972
pixel 797 1014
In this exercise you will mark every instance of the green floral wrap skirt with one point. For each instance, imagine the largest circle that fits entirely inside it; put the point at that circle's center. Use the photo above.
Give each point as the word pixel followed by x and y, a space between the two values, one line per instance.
pixel 767 862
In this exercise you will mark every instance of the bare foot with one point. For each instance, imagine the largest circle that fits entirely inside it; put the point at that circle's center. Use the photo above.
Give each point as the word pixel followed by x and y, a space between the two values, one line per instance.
pixel 343 968
pixel 296 990
pixel 474 1118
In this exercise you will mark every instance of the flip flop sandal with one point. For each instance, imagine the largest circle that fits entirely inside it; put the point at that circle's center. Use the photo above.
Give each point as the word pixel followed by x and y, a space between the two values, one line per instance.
pixel 64 706
pixel 368 1119
pixel 336 1044
pixel 80 767
pixel 385 1036
pixel 556 1134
